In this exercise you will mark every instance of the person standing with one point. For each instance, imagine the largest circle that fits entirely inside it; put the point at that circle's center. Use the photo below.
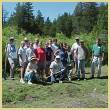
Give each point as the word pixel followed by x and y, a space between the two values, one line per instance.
pixel 11 54
pixel 30 52
pixel 35 46
pixel 73 51
pixel 22 60
pixel 81 54
pixel 49 57
pixel 26 43
pixel 97 57
pixel 41 56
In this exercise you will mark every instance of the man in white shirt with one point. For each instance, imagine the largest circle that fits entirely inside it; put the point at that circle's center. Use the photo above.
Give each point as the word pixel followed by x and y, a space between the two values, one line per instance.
pixel 73 51
pixel 11 54
pixel 26 43
pixel 56 67
pixel 22 60
pixel 81 54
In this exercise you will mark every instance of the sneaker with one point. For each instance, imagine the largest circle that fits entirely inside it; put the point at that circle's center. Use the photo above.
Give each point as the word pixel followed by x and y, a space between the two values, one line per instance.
pixel 60 82
pixel 78 79
pixel 69 79
pixel 84 79
pixel 22 81
pixel 12 78
pixel 29 82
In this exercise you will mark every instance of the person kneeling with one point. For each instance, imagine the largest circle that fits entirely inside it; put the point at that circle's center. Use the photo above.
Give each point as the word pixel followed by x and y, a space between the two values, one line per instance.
pixel 31 71
pixel 57 70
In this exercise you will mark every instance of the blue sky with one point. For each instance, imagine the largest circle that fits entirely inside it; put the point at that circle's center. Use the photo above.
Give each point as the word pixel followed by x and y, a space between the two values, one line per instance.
pixel 48 9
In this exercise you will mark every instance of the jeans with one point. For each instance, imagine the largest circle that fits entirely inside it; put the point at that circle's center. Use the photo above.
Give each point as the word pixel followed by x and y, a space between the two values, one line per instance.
pixel 96 62
pixel 30 76
pixel 60 76
pixel 81 67
pixel 76 64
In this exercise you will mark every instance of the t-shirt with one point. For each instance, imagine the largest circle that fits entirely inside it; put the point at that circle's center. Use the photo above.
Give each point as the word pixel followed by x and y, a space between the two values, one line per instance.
pixel 54 47
pixel 40 54
pixel 97 50
pixel 63 55
pixel 56 67
pixel 49 52
pixel 81 53
pixel 31 67
pixel 11 51
pixel 22 53
pixel 74 47
pixel 29 53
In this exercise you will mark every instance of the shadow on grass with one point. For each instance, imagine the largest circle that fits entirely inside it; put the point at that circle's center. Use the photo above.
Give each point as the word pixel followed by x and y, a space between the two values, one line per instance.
pixel 102 77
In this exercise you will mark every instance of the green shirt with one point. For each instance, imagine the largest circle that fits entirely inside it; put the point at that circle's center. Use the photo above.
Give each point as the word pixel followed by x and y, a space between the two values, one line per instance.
pixel 97 50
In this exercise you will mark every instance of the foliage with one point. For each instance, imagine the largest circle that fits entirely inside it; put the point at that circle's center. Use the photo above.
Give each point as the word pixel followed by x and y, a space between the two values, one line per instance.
pixel 86 18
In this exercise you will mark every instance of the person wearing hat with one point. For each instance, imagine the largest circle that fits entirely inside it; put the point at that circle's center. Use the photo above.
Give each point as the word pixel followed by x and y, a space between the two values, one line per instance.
pixel 82 54
pixel 11 54
pixel 73 51
pixel 55 67
pixel 31 71
pixel 22 60
pixel 35 46
pixel 97 57
pixel 26 42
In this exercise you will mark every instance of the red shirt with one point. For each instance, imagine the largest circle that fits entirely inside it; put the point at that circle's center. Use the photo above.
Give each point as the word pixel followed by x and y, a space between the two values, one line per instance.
pixel 40 54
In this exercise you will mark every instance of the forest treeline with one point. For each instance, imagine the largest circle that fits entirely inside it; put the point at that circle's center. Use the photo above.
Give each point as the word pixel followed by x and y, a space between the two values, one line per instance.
pixel 87 17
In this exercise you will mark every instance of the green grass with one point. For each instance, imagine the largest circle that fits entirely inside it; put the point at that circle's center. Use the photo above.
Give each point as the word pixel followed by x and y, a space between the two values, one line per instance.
pixel 90 93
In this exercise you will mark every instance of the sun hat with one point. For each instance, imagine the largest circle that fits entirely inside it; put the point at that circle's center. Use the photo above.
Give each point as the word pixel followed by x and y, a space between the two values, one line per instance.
pixel 33 58
pixel 25 39
pixel 57 57
pixel 11 38
pixel 76 38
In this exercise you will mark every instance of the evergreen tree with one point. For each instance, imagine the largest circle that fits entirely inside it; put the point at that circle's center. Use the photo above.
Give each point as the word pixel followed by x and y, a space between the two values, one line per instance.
pixel 39 23
pixel 47 26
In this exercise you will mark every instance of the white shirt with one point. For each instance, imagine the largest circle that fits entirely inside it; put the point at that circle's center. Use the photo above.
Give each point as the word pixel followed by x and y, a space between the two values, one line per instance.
pixel 81 53
pixel 29 53
pixel 11 51
pixel 56 67
pixel 22 52
pixel 31 67
pixel 74 47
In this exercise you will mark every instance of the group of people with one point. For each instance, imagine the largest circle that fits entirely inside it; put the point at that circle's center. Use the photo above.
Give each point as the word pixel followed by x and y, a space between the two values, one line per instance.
pixel 38 62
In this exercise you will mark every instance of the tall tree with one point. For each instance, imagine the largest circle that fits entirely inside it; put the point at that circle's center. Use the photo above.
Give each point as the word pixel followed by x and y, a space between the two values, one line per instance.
pixel 39 23
pixel 47 26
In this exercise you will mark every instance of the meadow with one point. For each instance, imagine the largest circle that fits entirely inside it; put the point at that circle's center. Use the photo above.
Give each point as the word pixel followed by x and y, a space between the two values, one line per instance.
pixel 92 93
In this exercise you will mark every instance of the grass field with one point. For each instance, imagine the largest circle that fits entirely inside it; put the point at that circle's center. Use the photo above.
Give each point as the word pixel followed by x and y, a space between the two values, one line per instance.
pixel 91 93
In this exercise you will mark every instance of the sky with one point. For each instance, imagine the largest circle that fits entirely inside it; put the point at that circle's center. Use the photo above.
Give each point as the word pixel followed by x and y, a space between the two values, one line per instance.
pixel 48 9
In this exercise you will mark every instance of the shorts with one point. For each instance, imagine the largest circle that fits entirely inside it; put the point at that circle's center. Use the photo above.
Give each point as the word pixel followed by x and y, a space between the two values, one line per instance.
pixel 41 65
pixel 23 64
pixel 12 61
